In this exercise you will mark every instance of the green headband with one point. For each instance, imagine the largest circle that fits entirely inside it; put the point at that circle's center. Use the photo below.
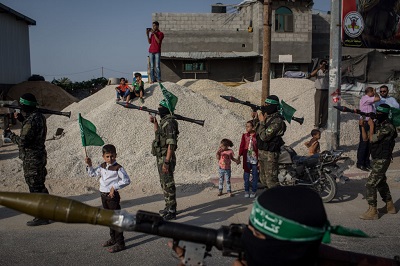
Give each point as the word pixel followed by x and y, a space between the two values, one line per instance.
pixel 383 109
pixel 282 228
pixel 271 101
pixel 26 102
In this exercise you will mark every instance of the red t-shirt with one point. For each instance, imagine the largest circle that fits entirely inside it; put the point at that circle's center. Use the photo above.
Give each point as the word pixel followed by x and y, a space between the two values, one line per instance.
pixel 123 88
pixel 154 46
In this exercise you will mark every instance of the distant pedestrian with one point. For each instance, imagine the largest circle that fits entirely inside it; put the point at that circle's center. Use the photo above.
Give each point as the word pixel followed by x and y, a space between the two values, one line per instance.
pixel 224 156
pixel 248 149
pixel 321 94
pixel 113 177
pixel 385 98
pixel 155 40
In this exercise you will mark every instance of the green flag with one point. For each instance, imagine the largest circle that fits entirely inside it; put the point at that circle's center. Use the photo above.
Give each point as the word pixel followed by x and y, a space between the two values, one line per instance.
pixel 287 111
pixel 169 100
pixel 395 116
pixel 88 133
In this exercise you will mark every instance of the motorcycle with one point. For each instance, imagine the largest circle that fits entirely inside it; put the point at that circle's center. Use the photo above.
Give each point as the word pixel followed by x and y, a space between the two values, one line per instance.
pixel 319 172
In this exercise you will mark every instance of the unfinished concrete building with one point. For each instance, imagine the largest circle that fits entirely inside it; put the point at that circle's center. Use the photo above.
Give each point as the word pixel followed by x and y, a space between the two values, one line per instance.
pixel 228 46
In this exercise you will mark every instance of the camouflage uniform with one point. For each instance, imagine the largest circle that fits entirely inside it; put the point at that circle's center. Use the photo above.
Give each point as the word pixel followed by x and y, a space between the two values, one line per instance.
pixel 269 142
pixel 382 144
pixel 32 151
pixel 167 134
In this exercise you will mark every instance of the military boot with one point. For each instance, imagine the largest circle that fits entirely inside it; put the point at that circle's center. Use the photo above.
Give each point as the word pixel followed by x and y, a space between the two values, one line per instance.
pixel 390 207
pixel 370 214
pixel 163 211
pixel 170 215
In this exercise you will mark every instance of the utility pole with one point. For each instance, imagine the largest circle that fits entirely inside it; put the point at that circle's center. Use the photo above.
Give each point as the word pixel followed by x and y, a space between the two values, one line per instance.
pixel 266 50
pixel 335 57
pixel 102 73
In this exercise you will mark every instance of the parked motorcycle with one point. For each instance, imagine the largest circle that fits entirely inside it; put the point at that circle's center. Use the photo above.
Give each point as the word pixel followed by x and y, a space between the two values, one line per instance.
pixel 319 172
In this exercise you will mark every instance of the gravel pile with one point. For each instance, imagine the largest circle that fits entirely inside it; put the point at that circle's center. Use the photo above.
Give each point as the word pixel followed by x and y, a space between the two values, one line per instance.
pixel 132 134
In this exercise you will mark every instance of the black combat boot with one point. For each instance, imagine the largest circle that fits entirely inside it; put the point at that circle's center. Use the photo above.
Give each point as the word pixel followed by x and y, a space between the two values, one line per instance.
pixel 163 212
pixel 170 215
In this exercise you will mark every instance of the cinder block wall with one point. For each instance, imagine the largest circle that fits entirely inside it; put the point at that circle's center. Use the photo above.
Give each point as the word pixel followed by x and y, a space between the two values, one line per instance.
pixel 205 32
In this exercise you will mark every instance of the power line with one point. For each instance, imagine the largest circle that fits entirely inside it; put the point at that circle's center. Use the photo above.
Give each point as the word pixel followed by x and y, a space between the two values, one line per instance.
pixel 71 74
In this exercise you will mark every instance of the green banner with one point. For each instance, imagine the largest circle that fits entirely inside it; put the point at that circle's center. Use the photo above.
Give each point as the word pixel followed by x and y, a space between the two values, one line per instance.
pixel 287 111
pixel 170 100
pixel 88 133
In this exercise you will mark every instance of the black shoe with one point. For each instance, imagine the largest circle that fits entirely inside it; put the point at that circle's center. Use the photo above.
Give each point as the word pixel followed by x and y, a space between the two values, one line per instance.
pixel 362 167
pixel 37 221
pixel 169 216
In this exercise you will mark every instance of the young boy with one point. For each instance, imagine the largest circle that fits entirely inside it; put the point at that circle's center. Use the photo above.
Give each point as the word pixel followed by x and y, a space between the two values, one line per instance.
pixel 122 89
pixel 113 177
pixel 137 90
pixel 313 144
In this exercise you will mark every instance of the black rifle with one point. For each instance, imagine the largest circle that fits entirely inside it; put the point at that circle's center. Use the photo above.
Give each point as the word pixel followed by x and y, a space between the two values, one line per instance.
pixel 40 110
pixel 355 111
pixel 144 108
pixel 255 107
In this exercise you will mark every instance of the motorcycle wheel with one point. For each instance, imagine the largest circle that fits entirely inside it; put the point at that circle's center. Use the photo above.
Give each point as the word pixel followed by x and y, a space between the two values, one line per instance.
pixel 326 188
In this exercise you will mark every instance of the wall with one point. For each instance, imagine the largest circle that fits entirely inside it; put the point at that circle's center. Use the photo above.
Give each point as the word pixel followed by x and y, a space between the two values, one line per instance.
pixel 204 32
pixel 297 43
pixel 15 65
pixel 234 69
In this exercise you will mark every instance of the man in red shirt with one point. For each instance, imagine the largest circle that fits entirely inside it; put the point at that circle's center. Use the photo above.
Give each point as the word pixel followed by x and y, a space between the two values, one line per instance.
pixel 155 39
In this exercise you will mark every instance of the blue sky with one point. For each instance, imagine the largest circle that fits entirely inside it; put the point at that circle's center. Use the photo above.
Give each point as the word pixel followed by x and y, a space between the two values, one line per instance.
pixel 76 38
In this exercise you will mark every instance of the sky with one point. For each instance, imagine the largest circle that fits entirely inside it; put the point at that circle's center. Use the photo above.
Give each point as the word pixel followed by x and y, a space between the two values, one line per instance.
pixel 82 40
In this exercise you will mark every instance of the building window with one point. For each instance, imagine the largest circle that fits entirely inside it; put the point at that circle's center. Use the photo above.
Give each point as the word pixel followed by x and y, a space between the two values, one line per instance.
pixel 198 66
pixel 283 20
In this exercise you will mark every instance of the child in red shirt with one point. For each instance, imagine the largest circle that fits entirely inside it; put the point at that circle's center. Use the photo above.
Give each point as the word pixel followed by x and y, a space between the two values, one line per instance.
pixel 123 89
pixel 224 156
pixel 248 149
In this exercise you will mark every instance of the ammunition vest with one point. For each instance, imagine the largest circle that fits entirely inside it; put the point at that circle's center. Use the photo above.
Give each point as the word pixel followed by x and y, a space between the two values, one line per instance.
pixel 159 145
pixel 274 144
pixel 383 149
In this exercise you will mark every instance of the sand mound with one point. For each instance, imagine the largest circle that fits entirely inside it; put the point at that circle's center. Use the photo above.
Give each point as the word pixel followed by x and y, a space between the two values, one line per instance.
pixel 48 95
pixel 132 134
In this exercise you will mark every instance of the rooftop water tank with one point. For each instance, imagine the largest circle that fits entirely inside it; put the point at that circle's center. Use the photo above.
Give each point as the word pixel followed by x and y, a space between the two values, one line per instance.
pixel 218 8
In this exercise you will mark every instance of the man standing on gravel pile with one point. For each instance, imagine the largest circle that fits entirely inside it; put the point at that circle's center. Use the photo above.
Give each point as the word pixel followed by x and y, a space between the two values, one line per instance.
pixel 163 147
pixel 270 129
pixel 32 150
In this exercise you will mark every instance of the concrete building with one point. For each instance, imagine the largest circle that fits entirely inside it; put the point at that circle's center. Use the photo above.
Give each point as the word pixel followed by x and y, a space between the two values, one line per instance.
pixel 228 46
pixel 15 62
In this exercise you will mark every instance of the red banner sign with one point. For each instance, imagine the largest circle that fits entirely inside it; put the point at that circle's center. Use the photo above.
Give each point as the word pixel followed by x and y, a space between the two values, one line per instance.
pixel 371 24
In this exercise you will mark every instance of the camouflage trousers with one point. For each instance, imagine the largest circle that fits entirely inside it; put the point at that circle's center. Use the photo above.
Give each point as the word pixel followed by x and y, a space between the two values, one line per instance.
pixel 268 168
pixel 168 183
pixel 377 182
pixel 35 174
